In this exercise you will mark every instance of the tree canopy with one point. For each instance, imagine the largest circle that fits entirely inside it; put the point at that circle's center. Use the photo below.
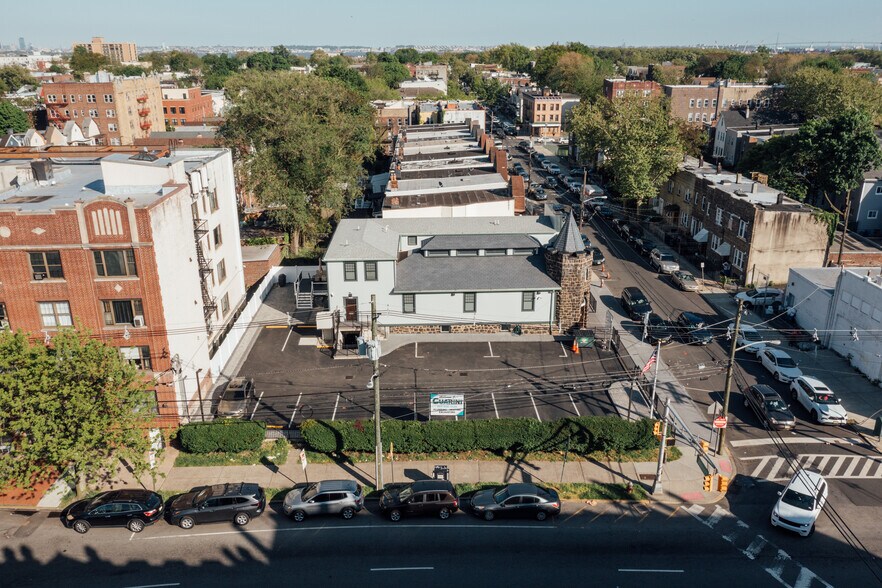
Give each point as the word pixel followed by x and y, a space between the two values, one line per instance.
pixel 13 77
pixel 13 117
pixel 301 142
pixel 74 403
pixel 82 61
pixel 812 92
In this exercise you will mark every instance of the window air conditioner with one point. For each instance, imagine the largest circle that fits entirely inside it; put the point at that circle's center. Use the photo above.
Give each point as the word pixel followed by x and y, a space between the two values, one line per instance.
pixel 40 275
pixel 138 321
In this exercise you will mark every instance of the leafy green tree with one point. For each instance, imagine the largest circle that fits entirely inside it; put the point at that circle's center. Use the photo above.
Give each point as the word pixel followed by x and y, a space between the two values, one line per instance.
pixel 639 143
pixel 776 158
pixel 378 90
pixel 430 56
pixel 318 56
pixel 158 59
pixel 407 55
pixel 261 61
pixel 301 158
pixel 12 117
pixel 217 68
pixel 57 68
pixel 13 77
pixel 339 69
pixel 83 61
pixel 512 56
pixel 183 61
pixel 128 70
pixel 575 73
pixel 390 71
pixel 74 403
pixel 811 93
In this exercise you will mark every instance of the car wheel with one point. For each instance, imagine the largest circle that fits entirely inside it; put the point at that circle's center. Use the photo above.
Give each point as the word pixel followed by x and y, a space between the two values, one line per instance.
pixel 394 515
pixel 81 527
pixel 444 513
pixel 242 519
pixel 811 530
pixel 186 523
pixel 816 417
pixel 541 515
pixel 488 515
pixel 135 525
pixel 347 513
pixel 298 516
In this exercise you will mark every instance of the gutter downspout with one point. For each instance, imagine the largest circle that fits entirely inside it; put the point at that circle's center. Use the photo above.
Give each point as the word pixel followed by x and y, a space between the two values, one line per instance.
pixel 551 312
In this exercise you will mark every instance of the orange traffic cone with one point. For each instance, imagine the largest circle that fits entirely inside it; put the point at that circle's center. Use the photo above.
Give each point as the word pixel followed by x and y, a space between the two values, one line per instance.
pixel 576 347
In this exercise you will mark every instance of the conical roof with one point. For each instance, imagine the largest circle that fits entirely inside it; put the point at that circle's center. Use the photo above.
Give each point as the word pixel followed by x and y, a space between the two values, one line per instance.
pixel 569 240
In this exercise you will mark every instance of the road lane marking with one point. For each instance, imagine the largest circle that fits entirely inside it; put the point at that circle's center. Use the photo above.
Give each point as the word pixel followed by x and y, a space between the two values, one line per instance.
pixel 752 550
pixel 285 344
pixel 401 569
pixel 155 585
pixel 760 466
pixel 576 408
pixel 491 351
pixel 294 412
pixel 851 467
pixel 342 528
pixel 256 404
pixel 536 408
pixel 650 571
pixel 416 351
pixel 563 350
pixel 336 402
pixel 795 440
pixel 832 466
pixel 493 398
pixel 823 462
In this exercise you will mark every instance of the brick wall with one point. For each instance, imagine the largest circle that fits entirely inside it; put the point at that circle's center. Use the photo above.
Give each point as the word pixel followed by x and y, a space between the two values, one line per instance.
pixel 256 270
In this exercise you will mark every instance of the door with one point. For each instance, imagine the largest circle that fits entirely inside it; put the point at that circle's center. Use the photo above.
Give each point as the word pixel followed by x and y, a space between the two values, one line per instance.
pixel 210 511
pixel 416 505
pixel 529 506
pixel 351 305
pixel 511 507
pixel 321 503
pixel 103 516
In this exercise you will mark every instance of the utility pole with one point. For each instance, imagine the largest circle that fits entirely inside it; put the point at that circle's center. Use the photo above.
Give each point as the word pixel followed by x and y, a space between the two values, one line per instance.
pixel 844 227
pixel 376 383
pixel 655 381
pixel 582 196
pixel 729 370
pixel 657 484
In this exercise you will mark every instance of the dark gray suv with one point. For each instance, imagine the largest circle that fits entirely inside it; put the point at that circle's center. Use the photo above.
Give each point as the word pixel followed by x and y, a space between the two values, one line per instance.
pixel 420 498
pixel 336 497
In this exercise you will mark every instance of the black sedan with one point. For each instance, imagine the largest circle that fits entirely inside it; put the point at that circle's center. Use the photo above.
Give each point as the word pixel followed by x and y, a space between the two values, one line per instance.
pixel 239 502
pixel 658 330
pixel 516 500
pixel 597 257
pixel 693 329
pixel 133 509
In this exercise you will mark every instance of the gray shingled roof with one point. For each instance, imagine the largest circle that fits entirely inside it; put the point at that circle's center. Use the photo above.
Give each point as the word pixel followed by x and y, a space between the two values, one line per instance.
pixel 418 273
pixel 569 240
pixel 448 242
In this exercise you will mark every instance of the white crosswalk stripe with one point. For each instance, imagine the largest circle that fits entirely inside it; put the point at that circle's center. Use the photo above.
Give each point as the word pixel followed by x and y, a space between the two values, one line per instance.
pixel 852 467
pixel 775 561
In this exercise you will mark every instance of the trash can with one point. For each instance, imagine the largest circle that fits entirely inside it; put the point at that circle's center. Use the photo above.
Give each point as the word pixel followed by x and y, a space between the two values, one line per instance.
pixel 283 279
pixel 441 472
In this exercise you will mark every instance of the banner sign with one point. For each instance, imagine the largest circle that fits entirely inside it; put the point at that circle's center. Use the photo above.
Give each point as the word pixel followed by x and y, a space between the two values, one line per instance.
pixel 447 404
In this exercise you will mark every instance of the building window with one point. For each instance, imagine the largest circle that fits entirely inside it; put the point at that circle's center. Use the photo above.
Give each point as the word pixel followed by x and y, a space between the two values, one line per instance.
pixel 742 229
pixel 689 117
pixel 350 271
pixel 112 128
pixel 221 271
pixel 110 113
pixel 411 241
pixel 528 301
pixel 705 102
pixel 714 102
pixel 872 213
pixel 174 121
pixel 114 140
pixel 122 312
pixel 225 304
pixel 494 252
pixel 466 252
pixel 93 113
pixel 72 98
pixel 108 98
pixel 738 258
pixel 692 103
pixel 55 314
pixel 90 98
pixel 408 303
pixel 715 241
pixel 370 271
pixel 119 262
pixel 469 302
pixel 212 200
pixel 878 189
pixel 4 319
pixel 50 98
pixel 165 111
pixel 684 219
pixel 174 109
pixel 719 219
pixel 218 237
pixel 688 197
pixel 670 187
pixel 138 357
pixel 183 110
pixel 46 265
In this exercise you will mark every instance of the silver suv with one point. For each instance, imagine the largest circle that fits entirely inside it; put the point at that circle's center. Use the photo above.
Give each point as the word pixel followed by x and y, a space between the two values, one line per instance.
pixel 337 497
pixel 237 399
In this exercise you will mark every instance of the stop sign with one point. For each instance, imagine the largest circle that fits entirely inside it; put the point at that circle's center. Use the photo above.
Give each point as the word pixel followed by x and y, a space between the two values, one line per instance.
pixel 720 422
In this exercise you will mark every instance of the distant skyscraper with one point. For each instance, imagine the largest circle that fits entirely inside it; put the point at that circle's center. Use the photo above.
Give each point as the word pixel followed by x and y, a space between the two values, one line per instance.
pixel 21 44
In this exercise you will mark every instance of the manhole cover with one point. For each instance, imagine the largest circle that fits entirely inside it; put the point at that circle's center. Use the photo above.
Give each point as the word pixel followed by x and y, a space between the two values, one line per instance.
pixel 646 477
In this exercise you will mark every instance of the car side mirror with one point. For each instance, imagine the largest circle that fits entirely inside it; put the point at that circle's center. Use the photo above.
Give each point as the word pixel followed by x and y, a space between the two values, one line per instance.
pixel 311 501
pixel 779 493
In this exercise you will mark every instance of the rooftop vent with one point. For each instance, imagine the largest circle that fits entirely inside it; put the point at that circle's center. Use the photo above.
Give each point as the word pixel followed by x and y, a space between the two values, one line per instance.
pixel 144 155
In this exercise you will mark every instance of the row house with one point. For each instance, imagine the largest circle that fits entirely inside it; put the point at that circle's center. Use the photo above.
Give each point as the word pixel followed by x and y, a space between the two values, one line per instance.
pixel 702 104
pixel 545 112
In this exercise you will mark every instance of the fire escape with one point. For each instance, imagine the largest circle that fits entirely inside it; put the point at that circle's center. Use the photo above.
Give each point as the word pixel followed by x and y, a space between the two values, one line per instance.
pixel 209 303
pixel 55 111
pixel 143 113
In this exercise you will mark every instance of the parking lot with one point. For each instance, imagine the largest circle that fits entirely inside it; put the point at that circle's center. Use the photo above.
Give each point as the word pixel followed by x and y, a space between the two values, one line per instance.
pixel 534 379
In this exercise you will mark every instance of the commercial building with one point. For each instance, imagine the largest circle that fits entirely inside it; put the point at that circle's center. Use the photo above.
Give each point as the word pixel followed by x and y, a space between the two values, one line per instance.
pixel 721 217
pixel 545 112
pixel 620 87
pixel 450 112
pixel 124 108
pixel 703 103
pixel 422 87
pixel 186 106
pixel 141 249
pixel 114 52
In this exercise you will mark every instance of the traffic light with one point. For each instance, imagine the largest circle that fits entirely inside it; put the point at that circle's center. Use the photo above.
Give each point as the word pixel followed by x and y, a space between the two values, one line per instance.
pixel 705 446
pixel 708 482
pixel 656 428
pixel 723 484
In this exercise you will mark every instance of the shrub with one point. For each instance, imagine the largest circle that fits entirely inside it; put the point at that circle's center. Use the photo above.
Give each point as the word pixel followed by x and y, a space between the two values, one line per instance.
pixel 227 435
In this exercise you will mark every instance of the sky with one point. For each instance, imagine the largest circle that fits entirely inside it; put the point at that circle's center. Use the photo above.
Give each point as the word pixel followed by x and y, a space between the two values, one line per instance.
pixel 381 23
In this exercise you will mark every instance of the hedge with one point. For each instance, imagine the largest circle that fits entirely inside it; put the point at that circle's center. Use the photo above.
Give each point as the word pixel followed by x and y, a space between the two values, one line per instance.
pixel 227 435
pixel 585 434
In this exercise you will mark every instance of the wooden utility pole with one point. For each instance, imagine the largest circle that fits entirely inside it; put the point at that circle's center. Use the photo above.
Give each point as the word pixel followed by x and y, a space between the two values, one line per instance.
pixel 376 384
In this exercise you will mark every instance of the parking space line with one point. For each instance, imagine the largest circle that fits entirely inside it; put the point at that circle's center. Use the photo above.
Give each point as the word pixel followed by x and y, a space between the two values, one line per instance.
pixel 536 408
pixel 416 350
pixel 493 398
pixel 336 402
pixel 294 412
pixel 563 350
pixel 342 528
pixel 491 350
pixel 400 569
pixel 576 408
pixel 256 404
pixel 285 344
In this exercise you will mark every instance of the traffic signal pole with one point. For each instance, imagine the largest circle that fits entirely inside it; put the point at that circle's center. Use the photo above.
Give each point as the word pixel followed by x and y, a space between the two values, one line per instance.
pixel 729 372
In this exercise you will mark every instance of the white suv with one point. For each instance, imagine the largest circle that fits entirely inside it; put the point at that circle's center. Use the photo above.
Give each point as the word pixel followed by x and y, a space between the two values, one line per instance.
pixel 800 503
pixel 760 296
pixel 819 400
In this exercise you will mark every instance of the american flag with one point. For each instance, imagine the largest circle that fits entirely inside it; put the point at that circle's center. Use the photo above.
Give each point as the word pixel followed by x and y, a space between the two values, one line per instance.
pixel 652 359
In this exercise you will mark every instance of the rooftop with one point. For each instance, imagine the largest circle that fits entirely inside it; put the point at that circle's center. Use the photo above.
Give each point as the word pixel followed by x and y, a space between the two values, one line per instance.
pixel 418 273
pixel 740 186
pixel 825 278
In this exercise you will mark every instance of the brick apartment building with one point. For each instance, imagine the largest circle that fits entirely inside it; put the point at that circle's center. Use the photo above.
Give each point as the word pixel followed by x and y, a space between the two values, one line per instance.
pixel 123 108
pixel 545 111
pixel 620 87
pixel 186 106
pixel 704 103
pixel 115 52
pixel 142 250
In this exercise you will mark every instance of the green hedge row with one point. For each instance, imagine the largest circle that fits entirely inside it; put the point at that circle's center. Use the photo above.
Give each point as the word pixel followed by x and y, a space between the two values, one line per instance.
pixel 227 435
pixel 585 434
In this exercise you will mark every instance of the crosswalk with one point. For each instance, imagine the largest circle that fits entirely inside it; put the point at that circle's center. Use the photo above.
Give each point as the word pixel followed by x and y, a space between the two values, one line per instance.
pixel 773 467
pixel 775 561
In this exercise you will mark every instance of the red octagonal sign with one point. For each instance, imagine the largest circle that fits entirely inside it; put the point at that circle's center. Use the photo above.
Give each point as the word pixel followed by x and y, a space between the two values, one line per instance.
pixel 720 422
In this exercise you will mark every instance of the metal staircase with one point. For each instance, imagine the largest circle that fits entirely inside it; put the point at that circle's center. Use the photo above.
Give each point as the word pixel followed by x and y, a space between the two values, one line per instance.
pixel 209 302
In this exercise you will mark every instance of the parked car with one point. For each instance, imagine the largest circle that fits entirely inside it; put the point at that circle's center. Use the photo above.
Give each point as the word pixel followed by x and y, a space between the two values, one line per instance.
pixel 337 497
pixel 760 296
pixel 605 211
pixel 818 400
pixel 594 201
pixel 644 246
pixel 665 263
pixel 420 498
pixel 551 182
pixel 524 145
pixel 133 509
pixel 597 257
pixel 237 399
pixel 772 411
pixel 800 503
pixel 518 167
pixel 575 187
pixel 684 281
pixel 516 500
pixel 587 242
pixel 238 502
pixel 658 330
pixel 577 172
pixel 553 168
pixel 631 232
pixel 749 338
pixel 780 364
pixel 692 329
pixel 618 224
pixel 635 303
pixel 539 194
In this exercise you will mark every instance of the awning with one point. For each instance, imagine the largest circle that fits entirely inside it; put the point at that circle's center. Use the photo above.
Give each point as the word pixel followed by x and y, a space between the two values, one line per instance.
pixel 700 236
pixel 723 250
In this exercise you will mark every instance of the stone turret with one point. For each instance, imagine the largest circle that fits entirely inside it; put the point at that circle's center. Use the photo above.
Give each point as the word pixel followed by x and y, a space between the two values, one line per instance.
pixel 568 264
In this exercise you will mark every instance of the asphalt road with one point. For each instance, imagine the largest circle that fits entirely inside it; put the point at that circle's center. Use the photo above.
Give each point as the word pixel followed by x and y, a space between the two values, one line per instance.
pixel 605 544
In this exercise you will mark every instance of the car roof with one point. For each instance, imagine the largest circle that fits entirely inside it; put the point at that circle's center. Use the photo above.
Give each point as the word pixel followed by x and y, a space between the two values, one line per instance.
pixel 234 489
pixel 766 390
pixel 806 482
pixel 522 488
pixel 814 382
pixel 632 290
pixel 336 486
pixel 776 352
pixel 238 382
pixel 426 485
pixel 746 329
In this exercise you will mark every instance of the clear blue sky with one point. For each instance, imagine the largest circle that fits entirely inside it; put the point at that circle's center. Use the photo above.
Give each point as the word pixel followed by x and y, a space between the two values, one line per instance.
pixel 53 23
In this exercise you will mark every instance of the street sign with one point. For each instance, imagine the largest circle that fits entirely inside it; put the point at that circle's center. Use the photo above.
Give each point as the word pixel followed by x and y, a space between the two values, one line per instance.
pixel 447 404
pixel 714 408
pixel 720 422
pixel 303 459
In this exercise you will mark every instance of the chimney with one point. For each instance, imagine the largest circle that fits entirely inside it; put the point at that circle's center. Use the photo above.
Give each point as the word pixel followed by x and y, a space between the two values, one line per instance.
pixel 701 161
pixel 502 168
pixel 754 189
pixel 519 193
pixel 738 178
pixel 719 167
pixel 780 200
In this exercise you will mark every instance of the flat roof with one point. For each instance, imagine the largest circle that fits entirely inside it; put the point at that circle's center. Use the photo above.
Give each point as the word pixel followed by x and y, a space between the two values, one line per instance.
pixel 826 277
pixel 257 252
pixel 418 273
pixel 392 200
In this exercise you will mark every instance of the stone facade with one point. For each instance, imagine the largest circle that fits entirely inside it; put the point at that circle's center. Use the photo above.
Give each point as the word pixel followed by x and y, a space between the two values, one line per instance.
pixel 573 273
pixel 479 328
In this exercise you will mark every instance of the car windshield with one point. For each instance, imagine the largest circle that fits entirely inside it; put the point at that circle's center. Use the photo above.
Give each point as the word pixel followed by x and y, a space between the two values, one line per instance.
pixel 826 399
pixel 797 499
pixel 405 493
pixel 666 257
pixel 500 496
pixel 236 394
pixel 686 277
pixel 751 293
pixel 202 495
pixel 751 336
pixel 786 362
pixel 776 404
pixel 309 492
pixel 638 299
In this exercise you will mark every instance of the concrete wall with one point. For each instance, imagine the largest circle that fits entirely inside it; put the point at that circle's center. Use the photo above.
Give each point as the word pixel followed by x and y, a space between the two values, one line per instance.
pixel 812 305
pixel 857 304
pixel 782 240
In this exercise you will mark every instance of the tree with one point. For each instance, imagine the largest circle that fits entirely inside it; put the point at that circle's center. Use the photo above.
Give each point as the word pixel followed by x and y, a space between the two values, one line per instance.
pixel 128 70
pixel 318 56
pixel 574 73
pixel 158 60
pixel 13 77
pixel 639 143
pixel 776 158
pixel 812 92
pixel 339 69
pixel 261 61
pixel 512 56
pixel 12 117
pixel 57 68
pixel 407 55
pixel 301 157
pixel 74 403
pixel 693 138
pixel 390 71
pixel 83 61
pixel 183 61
